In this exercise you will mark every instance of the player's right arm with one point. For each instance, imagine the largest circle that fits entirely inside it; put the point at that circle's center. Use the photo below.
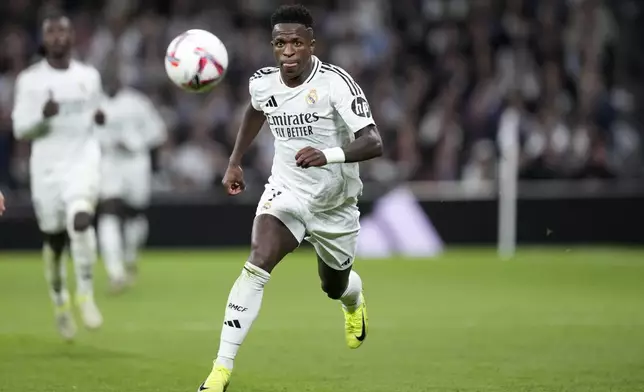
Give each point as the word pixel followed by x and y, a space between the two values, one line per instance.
pixel 251 124
pixel 29 116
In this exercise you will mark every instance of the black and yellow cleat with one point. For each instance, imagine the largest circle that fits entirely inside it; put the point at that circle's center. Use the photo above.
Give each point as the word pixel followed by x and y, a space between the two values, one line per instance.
pixel 356 324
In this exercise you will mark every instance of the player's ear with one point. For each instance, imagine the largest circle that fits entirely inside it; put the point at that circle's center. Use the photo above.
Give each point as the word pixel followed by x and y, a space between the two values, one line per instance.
pixel 312 45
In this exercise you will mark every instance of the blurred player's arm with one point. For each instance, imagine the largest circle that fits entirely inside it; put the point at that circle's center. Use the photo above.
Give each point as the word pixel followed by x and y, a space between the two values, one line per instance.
pixel 30 116
pixel 156 130
pixel 97 98
pixel 151 130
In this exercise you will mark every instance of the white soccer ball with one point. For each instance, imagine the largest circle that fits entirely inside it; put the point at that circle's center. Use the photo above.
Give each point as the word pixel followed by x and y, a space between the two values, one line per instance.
pixel 196 61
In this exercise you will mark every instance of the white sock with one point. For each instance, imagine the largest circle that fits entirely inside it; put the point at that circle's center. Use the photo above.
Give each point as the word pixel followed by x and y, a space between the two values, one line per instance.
pixel 56 275
pixel 242 309
pixel 83 249
pixel 111 244
pixel 351 297
pixel 136 233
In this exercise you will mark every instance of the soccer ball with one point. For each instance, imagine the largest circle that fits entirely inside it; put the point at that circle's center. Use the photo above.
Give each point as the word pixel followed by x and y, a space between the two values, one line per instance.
pixel 196 61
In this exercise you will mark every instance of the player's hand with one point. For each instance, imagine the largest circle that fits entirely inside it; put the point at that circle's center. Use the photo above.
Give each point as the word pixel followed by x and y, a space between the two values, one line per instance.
pixel 234 180
pixel 2 207
pixel 51 107
pixel 99 117
pixel 310 157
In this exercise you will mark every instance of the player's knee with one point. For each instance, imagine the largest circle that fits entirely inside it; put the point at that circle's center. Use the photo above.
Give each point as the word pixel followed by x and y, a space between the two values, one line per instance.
pixel 332 289
pixel 265 254
pixel 82 221
pixel 56 242
pixel 262 258
pixel 134 212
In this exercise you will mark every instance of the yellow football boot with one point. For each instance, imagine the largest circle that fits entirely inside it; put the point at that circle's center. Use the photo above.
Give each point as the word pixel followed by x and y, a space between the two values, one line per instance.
pixel 356 324
pixel 217 381
pixel 65 321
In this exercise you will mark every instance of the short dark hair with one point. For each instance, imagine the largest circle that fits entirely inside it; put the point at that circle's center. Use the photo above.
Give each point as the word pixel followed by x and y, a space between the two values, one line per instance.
pixel 54 14
pixel 49 15
pixel 292 13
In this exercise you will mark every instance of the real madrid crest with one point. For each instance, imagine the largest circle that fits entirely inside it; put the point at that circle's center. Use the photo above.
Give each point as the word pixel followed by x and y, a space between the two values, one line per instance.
pixel 312 97
pixel 267 205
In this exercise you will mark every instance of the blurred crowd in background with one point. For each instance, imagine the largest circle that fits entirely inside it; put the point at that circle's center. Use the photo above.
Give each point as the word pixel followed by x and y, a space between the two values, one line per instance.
pixel 438 74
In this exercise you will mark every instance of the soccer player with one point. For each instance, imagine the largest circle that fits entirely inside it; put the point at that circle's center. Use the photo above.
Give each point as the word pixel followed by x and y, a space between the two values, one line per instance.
pixel 133 127
pixel 322 126
pixel 56 106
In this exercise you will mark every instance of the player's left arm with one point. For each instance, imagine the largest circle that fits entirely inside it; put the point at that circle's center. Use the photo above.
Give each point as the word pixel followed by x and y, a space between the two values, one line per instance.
pixel 156 131
pixel 97 95
pixel 367 145
pixel 351 104
pixel 150 128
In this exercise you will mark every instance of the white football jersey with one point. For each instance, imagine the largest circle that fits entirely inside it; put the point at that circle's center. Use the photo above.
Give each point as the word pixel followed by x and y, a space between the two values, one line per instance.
pixel 323 112
pixel 131 120
pixel 68 137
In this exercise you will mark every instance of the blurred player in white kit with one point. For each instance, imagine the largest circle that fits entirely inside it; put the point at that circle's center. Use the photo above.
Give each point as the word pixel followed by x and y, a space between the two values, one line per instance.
pixel 57 107
pixel 132 129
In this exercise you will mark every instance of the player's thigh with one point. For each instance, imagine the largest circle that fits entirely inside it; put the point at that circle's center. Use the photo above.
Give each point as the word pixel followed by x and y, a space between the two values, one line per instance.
pixel 334 235
pixel 81 189
pixel 278 228
pixel 49 207
pixel 284 206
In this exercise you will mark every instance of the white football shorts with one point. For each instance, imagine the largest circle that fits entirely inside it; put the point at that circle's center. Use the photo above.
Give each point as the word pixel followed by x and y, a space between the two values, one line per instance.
pixel 333 233
pixel 126 178
pixel 54 194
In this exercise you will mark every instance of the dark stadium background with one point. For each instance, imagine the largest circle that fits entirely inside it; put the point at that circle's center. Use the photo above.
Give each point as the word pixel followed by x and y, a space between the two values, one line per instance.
pixel 438 73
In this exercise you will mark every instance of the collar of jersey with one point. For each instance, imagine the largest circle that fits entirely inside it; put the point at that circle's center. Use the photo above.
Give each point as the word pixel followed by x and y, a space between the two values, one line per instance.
pixel 316 67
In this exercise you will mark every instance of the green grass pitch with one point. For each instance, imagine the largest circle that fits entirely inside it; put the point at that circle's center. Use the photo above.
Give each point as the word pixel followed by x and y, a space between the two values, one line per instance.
pixel 552 320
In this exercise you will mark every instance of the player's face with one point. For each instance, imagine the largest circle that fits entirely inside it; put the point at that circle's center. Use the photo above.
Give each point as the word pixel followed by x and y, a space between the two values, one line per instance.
pixel 57 37
pixel 292 46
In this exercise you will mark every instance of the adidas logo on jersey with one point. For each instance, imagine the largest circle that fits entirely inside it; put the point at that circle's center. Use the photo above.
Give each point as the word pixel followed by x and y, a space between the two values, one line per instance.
pixel 272 102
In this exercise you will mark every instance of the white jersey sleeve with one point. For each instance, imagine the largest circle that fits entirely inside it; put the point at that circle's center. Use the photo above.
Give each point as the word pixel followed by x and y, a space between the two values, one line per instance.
pixel 27 115
pixel 155 128
pixel 251 91
pixel 348 99
pixel 253 84
pixel 152 132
